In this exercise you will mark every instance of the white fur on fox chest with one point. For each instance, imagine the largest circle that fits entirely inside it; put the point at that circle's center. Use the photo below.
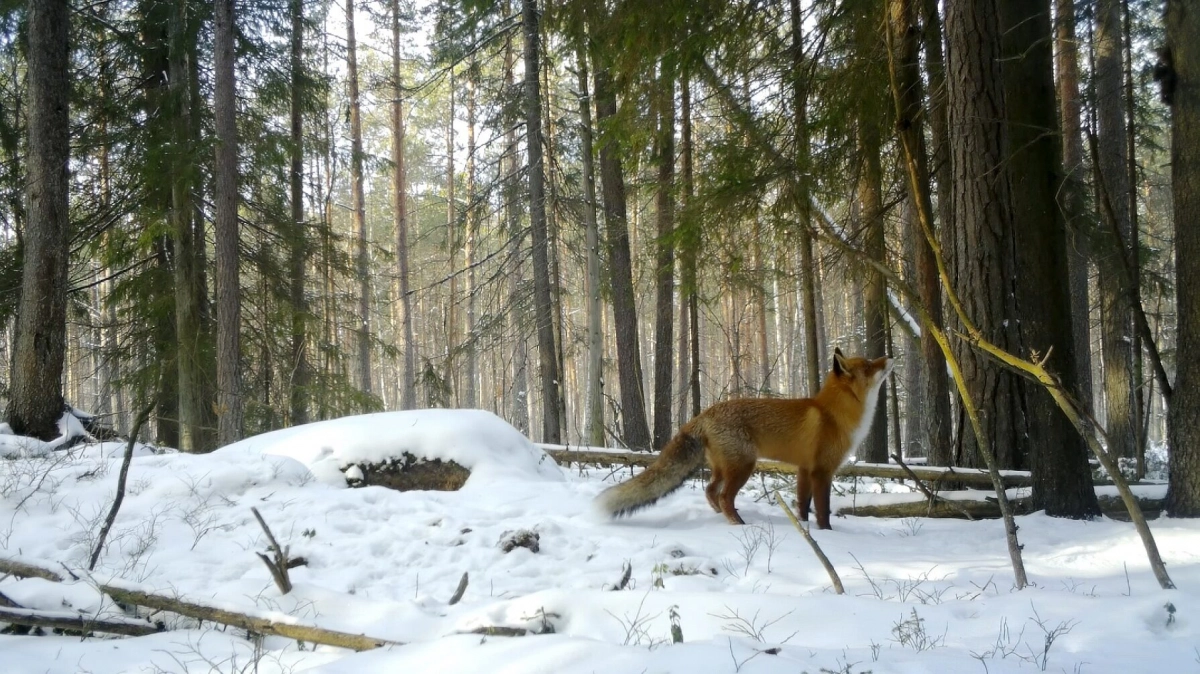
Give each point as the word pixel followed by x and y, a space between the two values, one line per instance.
pixel 864 423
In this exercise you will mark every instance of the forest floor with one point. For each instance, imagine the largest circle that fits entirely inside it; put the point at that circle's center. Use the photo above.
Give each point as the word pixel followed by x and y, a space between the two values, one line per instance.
pixel 930 596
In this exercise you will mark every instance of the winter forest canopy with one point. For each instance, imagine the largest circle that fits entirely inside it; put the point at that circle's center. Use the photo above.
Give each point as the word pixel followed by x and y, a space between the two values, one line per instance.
pixel 596 218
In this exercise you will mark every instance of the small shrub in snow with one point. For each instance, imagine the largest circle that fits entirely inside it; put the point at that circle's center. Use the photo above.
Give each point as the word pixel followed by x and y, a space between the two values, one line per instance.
pixel 911 633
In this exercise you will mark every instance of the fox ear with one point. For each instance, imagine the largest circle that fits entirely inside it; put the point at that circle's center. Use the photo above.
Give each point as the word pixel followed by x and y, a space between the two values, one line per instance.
pixel 839 362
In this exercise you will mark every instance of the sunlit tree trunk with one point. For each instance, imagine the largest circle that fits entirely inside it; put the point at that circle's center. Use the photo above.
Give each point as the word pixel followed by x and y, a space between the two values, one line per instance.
pixel 593 425
pixel 36 399
pixel 665 258
pixel 542 301
pixel 358 208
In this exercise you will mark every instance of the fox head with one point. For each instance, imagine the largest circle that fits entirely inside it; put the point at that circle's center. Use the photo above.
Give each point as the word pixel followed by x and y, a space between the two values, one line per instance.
pixel 863 375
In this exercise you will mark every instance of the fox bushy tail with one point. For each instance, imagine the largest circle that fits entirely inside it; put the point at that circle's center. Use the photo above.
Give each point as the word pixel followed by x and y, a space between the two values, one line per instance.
pixel 678 460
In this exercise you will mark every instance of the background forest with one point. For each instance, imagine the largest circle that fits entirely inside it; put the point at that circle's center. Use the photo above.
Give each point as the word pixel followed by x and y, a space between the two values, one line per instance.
pixel 595 218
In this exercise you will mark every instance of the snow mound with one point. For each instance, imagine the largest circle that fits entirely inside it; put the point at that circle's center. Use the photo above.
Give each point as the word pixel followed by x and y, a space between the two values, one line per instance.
pixel 477 440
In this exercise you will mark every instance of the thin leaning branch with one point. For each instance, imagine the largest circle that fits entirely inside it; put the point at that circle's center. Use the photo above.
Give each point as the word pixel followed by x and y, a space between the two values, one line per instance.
pixel 122 477
pixel 833 574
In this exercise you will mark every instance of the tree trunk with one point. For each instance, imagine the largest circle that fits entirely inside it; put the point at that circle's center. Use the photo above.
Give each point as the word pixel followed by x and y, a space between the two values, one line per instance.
pixel 298 241
pixel 934 423
pixel 665 260
pixel 542 306
pixel 358 208
pixel 808 268
pixel 470 392
pixel 1116 328
pixel 980 202
pixel 1180 79
pixel 1071 199
pixel 629 360
pixel 689 250
pixel 1058 455
pixel 225 224
pixel 452 244
pixel 188 326
pixel 36 400
pixel 408 388
pixel 870 199
pixel 593 425
pixel 519 395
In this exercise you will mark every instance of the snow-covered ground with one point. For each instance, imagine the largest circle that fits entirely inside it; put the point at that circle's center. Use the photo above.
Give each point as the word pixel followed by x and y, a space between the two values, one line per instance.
pixel 921 595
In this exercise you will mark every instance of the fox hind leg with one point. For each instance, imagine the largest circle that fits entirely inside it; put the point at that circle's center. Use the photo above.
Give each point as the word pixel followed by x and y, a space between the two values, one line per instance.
pixel 713 491
pixel 735 477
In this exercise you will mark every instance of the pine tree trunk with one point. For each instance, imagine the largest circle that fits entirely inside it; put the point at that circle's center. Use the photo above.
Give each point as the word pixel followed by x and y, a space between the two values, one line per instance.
pixel 1071 200
pixel 298 241
pixel 358 208
pixel 408 390
pixel 981 211
pixel 1181 86
pixel 690 250
pixel 188 327
pixel 1058 455
pixel 808 267
pixel 519 395
pixel 1116 329
pixel 629 365
pixel 225 224
pixel 542 301
pixel 593 425
pixel 470 393
pixel 874 289
pixel 933 426
pixel 665 258
pixel 452 244
pixel 36 400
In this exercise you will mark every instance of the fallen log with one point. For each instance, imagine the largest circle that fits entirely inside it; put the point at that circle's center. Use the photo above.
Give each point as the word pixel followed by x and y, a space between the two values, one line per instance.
pixel 929 474
pixel 253 623
pixel 13 567
pixel 73 621
pixel 1111 506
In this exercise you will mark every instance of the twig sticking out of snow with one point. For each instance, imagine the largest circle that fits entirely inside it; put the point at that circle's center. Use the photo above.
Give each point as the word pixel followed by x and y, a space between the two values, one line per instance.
pixel 458 593
pixel 121 479
pixel 833 575
pixel 624 582
pixel 280 564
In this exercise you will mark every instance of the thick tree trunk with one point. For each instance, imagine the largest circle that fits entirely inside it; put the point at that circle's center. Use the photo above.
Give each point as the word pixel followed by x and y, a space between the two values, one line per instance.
pixel 225 224
pixel 189 329
pixel 664 271
pixel 298 240
pixel 543 309
pixel 1058 455
pixel 1181 86
pixel 593 424
pixel 358 208
pixel 1116 326
pixel 36 400
pixel 1071 200
pixel 981 210
pixel 518 324
pixel 629 360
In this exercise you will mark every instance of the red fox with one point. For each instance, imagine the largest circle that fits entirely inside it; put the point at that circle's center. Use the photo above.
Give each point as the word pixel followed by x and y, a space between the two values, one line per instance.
pixel 813 434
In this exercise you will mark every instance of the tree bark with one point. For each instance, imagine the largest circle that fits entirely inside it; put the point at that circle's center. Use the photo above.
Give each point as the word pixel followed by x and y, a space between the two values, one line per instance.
pixel 1058 456
pixel 542 301
pixel 690 250
pixel 408 388
pixel 1116 329
pixel 1180 78
pixel 298 240
pixel 803 199
pixel 519 395
pixel 934 423
pixel 470 386
pixel 358 208
pixel 984 267
pixel 36 400
pixel 225 224
pixel 1072 198
pixel 612 179
pixel 593 425
pixel 189 330
pixel 665 259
